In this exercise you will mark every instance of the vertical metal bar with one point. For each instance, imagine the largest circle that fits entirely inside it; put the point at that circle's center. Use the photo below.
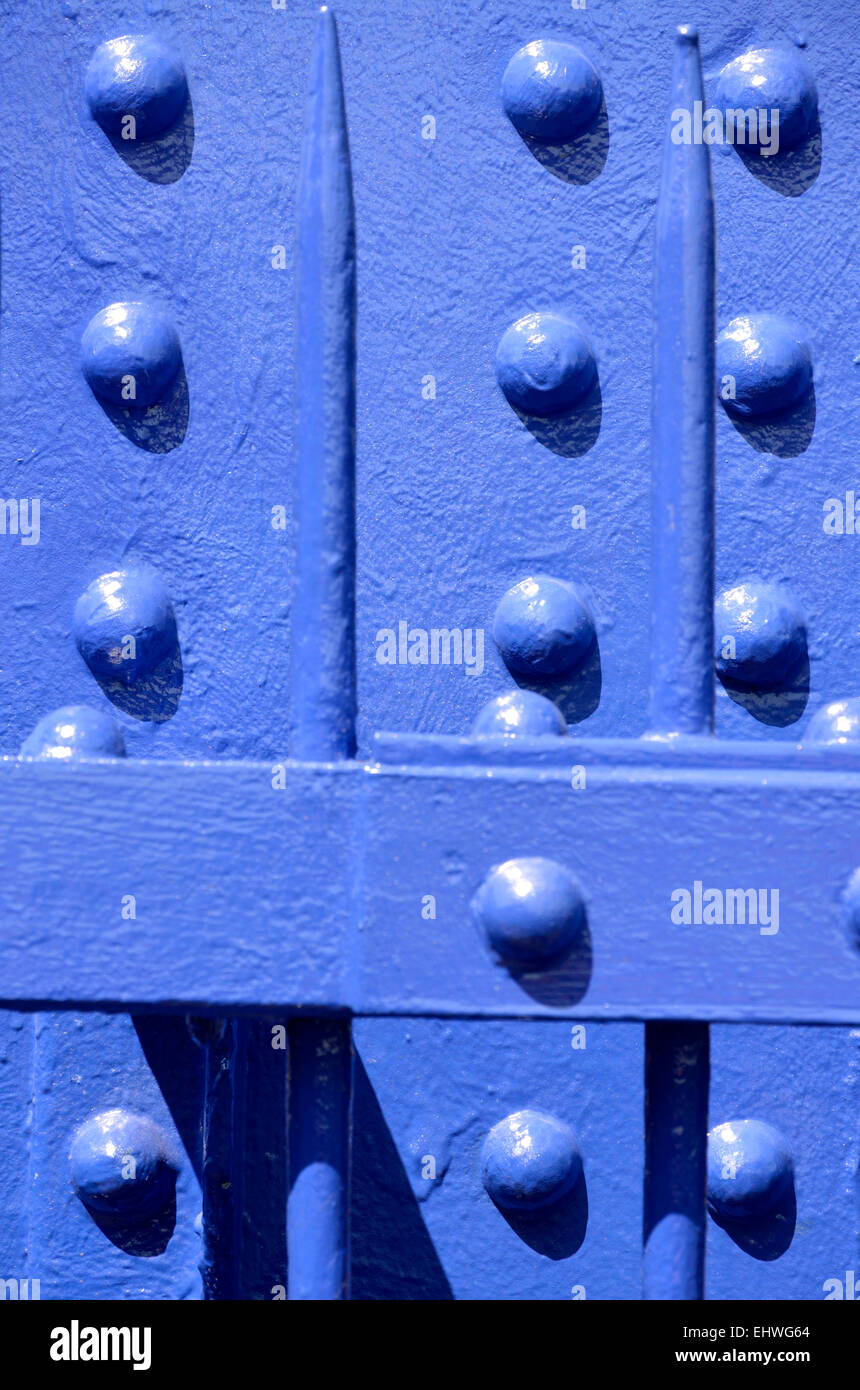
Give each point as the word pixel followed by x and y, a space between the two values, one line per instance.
pixel 223 1043
pixel 682 692
pixel 676 1124
pixel 320 1089
pixel 682 689
pixel 323 626
pixel 324 697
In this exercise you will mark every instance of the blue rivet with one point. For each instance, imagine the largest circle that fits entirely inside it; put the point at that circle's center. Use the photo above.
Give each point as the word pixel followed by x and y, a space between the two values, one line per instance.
pixel 838 722
pixel 763 365
pixel 543 627
pixel 750 1169
pixel 531 911
pixel 124 624
pixel 759 633
pixel 544 364
pixel 121 1165
pixel 74 732
pixel 550 91
pixel 770 79
pixel 135 76
pixel 529 1160
pixel 522 712
pixel 130 353
pixel 851 909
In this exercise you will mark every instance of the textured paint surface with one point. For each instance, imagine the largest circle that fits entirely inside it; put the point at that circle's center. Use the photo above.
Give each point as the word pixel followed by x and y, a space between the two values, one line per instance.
pixel 458 499
pixel 427 1094
pixel 718 929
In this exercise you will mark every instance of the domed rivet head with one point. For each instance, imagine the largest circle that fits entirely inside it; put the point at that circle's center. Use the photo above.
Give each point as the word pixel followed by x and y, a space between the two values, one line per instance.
pixel 531 911
pixel 759 634
pixel 135 86
pixel 130 354
pixel 124 624
pixel 519 712
pixel 121 1165
pixel 768 80
pixel 529 1160
pixel 543 627
pixel 545 364
pixel 838 722
pixel 763 365
pixel 74 732
pixel 550 91
pixel 851 909
pixel 750 1169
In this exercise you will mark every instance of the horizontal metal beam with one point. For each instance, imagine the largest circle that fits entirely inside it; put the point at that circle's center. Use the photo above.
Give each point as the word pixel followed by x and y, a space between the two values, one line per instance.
pixel 346 888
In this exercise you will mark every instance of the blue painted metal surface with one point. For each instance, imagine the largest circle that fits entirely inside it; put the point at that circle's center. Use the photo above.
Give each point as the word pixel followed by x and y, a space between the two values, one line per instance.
pixel 263 886
pixel 324 697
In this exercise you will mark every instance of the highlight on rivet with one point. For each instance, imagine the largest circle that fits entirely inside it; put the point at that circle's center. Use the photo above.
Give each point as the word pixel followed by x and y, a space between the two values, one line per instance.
pixel 837 722
pixel 130 354
pixel 122 1165
pixel 135 86
pixel 72 733
pixel 764 364
pixel 759 634
pixel 750 1169
pixel 531 911
pixel 522 713
pixel 544 627
pixel 545 364
pixel 124 624
pixel 530 1160
pixel 551 91
pixel 768 99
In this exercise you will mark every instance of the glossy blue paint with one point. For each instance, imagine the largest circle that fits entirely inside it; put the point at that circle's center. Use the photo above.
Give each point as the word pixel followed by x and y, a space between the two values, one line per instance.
pixel 759 633
pixel 770 80
pixel 363 838
pixel 677 1077
pixel 529 1160
pixel 519 713
pixel 836 723
pixel 763 364
pixel 682 424
pixel 136 75
pixel 531 911
pixel 76 731
pixel 323 613
pixel 441 277
pixel 550 91
pixel 750 1169
pixel 677 1056
pixel 323 630
pixel 124 625
pixel 121 1165
pixel 545 364
pixel 318 1210
pixel 543 627
pixel 130 354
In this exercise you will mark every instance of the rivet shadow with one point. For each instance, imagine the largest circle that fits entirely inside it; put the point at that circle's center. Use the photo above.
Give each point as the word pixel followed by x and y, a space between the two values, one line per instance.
pixel 788 172
pixel 556 1231
pixel 581 160
pixel 765 1237
pixel 571 433
pixel 157 428
pixel 786 434
pixel 780 706
pixel 164 158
